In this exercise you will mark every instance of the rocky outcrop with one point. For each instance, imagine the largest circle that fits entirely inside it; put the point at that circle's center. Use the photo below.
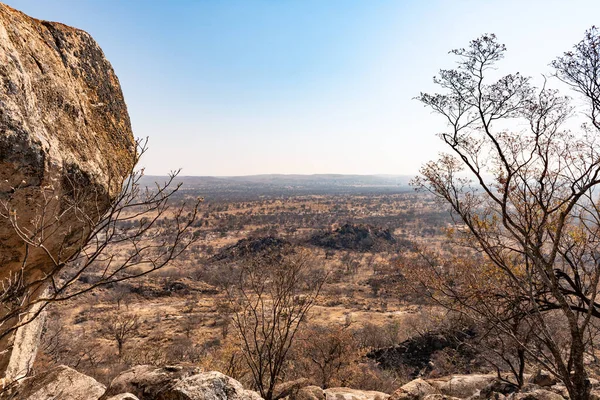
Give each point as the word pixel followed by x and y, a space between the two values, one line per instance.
pixel 177 382
pixel 57 383
pixel 355 237
pixel 416 353
pixel 65 135
pixel 251 247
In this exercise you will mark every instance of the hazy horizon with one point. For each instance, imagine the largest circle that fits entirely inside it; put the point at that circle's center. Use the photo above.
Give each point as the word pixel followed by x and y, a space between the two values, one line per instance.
pixel 300 87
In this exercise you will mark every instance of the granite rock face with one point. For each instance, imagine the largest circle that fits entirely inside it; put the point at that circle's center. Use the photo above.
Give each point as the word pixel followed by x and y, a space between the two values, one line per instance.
pixel 64 131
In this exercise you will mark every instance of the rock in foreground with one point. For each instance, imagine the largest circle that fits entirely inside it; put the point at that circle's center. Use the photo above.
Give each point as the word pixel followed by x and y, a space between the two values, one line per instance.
pixel 177 383
pixel 57 383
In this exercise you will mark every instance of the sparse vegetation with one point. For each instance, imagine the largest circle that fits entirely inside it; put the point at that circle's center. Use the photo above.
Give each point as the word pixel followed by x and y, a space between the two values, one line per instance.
pixel 282 282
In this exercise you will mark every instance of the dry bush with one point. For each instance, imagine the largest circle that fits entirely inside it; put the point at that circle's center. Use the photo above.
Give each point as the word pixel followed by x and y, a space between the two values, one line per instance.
pixel 368 376
pixel 228 358
pixel 324 355
pixel 372 336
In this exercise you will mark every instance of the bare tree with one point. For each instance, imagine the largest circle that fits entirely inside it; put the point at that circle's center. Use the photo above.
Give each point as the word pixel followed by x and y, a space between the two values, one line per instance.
pixel 121 243
pixel 524 188
pixel 269 298
pixel 121 327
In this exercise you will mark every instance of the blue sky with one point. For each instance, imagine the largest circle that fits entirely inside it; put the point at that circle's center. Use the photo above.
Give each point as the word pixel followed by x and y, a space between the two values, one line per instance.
pixel 279 86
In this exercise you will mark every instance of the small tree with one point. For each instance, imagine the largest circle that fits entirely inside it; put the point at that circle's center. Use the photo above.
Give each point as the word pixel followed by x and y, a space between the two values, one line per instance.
pixel 270 296
pixel 121 327
pixel 524 188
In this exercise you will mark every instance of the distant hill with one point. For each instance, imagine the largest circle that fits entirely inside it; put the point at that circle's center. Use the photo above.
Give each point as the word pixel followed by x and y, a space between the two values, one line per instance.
pixel 354 237
pixel 280 184
pixel 252 247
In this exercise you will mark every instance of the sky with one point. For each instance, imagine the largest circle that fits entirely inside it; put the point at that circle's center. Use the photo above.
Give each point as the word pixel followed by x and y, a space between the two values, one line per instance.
pixel 227 87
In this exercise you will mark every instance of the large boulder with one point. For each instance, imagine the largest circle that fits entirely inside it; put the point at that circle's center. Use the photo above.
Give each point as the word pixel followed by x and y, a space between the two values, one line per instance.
pixel 65 136
pixel 147 380
pixel 289 389
pixel 60 382
pixel 342 393
pixel 462 386
pixel 413 390
pixel 211 385
pixel 177 383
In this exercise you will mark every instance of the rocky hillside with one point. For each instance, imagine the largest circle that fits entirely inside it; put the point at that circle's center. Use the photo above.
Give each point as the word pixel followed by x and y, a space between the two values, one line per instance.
pixel 253 247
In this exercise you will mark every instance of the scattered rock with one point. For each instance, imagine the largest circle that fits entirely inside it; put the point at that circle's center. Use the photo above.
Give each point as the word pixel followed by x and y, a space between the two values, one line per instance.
pixel 543 378
pixel 59 382
pixel 342 393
